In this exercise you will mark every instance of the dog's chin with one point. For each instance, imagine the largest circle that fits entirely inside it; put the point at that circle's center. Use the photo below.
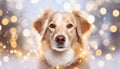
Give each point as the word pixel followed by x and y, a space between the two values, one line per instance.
pixel 60 49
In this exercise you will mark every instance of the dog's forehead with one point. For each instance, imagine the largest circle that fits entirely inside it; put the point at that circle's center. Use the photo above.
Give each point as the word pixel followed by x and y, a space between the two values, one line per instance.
pixel 62 16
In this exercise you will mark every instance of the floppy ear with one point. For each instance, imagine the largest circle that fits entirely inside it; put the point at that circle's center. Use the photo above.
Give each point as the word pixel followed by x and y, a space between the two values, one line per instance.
pixel 83 26
pixel 40 25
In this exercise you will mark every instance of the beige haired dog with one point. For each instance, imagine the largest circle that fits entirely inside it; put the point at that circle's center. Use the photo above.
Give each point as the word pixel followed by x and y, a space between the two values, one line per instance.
pixel 64 43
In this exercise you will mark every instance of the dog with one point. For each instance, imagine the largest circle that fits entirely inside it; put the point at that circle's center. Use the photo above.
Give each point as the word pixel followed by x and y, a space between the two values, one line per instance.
pixel 64 43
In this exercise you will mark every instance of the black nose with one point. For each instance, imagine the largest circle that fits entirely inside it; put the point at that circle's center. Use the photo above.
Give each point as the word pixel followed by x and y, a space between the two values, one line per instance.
pixel 60 39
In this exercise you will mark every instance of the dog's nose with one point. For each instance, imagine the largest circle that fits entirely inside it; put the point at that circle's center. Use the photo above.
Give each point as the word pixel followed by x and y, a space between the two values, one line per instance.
pixel 60 39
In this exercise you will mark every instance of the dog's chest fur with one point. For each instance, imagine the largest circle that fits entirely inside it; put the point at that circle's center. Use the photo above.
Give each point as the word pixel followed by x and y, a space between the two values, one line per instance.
pixel 55 59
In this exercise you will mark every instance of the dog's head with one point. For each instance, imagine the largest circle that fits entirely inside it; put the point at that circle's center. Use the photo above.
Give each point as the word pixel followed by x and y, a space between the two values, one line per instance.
pixel 60 29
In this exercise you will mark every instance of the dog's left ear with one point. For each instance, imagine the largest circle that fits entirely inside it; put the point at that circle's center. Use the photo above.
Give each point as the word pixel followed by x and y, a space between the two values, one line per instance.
pixel 83 26
pixel 40 25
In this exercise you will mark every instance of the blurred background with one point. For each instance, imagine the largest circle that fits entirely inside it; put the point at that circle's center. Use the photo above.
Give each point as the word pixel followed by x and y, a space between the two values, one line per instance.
pixel 19 42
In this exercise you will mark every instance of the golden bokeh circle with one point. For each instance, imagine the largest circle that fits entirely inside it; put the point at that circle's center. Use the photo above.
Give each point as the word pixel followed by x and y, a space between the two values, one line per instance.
pixel 5 21
pixel 113 28
pixel 13 19
pixel 98 52
pixel 103 11
pixel 116 13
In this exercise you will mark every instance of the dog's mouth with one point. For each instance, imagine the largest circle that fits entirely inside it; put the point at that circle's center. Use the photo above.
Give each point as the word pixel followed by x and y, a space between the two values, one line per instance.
pixel 59 48
pixel 60 45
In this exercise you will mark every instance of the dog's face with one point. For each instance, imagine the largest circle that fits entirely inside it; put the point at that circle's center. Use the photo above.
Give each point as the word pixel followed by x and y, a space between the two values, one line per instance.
pixel 60 29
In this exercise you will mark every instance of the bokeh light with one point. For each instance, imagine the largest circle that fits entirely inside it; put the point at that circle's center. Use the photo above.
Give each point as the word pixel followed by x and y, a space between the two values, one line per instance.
pixel 19 53
pixel 13 30
pixel 5 21
pixel 26 32
pixel 113 28
pixel 116 13
pixel 101 32
pixel 5 58
pixel 106 42
pixel 103 11
pixel 113 48
pixel 19 44
pixel 91 19
pixel 13 43
pixel 1 12
pixel 13 19
pixel 108 57
pixel 11 51
pixel 4 46
pixel 94 45
pixel 101 63
pixel 98 52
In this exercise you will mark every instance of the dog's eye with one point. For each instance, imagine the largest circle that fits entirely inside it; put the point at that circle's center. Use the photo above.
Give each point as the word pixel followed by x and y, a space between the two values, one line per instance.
pixel 52 25
pixel 69 26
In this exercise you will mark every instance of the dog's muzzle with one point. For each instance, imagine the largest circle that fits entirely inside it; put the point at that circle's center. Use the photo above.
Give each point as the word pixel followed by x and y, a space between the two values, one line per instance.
pixel 60 40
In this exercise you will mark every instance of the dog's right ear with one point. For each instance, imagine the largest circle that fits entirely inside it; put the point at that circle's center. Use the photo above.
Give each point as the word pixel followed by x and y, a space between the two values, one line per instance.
pixel 40 24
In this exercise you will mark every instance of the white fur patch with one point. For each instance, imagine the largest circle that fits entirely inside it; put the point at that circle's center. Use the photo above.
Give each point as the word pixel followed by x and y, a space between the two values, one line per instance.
pixel 61 58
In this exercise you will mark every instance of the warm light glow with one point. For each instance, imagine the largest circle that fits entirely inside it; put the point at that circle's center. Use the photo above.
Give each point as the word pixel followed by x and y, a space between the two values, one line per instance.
pixel 57 67
pixel 5 58
pixel 103 11
pixel 116 13
pixel 108 56
pixel 5 21
pixel 101 32
pixel 13 19
pixel 76 68
pixel 0 27
pixel 11 51
pixel 13 30
pixel 91 19
pixel 99 52
pixel 93 57
pixel 101 63
pixel 67 6
pixel 13 43
pixel 18 53
pixel 28 54
pixel 14 51
pixel 106 42
pixel 4 46
pixel 1 12
pixel 94 45
pixel 25 57
pixel 26 32
pixel 113 28
pixel 113 48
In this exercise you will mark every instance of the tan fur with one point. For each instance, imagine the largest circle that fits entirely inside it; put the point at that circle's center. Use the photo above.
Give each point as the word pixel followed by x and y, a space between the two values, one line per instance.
pixel 77 37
